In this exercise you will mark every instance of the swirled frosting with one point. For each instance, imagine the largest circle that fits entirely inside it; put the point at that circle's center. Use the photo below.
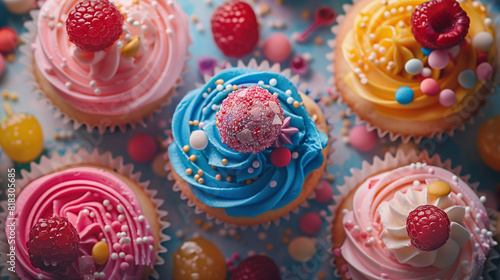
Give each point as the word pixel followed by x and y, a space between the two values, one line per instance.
pixel 380 44
pixel 106 82
pixel 244 184
pixel 101 207
pixel 377 245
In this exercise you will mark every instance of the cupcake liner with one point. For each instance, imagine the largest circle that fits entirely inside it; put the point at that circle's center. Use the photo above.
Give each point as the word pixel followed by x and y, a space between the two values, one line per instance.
pixel 263 66
pixel 28 71
pixel 395 136
pixel 391 161
pixel 82 156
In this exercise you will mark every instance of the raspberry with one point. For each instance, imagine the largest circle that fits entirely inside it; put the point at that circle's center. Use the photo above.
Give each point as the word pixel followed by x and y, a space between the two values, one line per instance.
pixel 235 28
pixel 53 244
pixel 94 25
pixel 428 227
pixel 256 267
pixel 250 119
pixel 439 24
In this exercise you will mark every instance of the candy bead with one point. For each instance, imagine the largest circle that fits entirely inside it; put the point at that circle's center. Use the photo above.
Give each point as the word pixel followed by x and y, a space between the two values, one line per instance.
pixel 281 157
pixel 198 140
pixel 484 71
pixel 323 192
pixel 277 47
pixel 207 65
pixel 447 97
pixel 8 39
pixel 361 139
pixel 429 87
pixel 142 148
pixel 299 65
pixel 426 72
pixel 199 258
pixel 438 189
pixel 483 41
pixel 427 51
pixel 414 66
pixel 302 248
pixel 404 95
pixel 467 79
pixel 100 252
pixel 438 59
pixel 488 142
pixel 310 223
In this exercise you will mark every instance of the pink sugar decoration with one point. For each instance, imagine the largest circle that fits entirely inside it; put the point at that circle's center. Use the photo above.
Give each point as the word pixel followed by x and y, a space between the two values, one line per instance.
pixel 324 192
pixel 124 266
pixel 337 252
pixel 310 223
pixel 429 87
pixel 281 157
pixel 236 256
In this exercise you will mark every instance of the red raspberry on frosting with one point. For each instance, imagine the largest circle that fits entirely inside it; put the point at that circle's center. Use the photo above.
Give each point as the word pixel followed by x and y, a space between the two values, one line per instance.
pixel 53 244
pixel 250 119
pixel 94 25
pixel 256 268
pixel 428 227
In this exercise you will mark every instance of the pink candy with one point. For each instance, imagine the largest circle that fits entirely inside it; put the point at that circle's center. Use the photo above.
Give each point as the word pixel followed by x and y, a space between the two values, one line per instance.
pixel 142 148
pixel 3 65
pixel 447 97
pixel 362 139
pixel 277 47
pixel 281 157
pixel 484 71
pixel 429 87
pixel 324 192
pixel 310 223
pixel 8 39
pixel 438 59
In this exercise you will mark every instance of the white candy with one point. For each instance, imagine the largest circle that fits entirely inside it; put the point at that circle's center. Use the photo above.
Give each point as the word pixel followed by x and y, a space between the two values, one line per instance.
pixel 198 140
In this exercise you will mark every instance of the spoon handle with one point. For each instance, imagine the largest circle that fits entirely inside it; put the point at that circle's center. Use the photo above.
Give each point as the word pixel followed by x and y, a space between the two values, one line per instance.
pixel 302 37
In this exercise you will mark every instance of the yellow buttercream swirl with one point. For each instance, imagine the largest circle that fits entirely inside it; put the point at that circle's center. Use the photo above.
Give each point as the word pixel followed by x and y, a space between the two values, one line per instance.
pixel 380 44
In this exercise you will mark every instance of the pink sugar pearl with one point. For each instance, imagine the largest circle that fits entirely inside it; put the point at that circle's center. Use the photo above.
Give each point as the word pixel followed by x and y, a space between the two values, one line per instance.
pixel 362 139
pixel 484 71
pixel 447 97
pixel 310 223
pixel 277 47
pixel 324 192
pixel 438 59
pixel 142 148
pixel 429 87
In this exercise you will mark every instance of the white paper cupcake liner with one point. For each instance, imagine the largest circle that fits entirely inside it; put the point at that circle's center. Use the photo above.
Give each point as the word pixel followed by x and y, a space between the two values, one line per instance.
pixel 82 156
pixel 395 136
pixel 29 72
pixel 399 159
pixel 263 66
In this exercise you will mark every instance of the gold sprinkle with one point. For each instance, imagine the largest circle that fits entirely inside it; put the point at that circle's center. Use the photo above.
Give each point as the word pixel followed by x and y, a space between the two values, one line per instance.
pixel 235 87
pixel 201 180
pixel 321 276
pixel 229 178
pixel 237 236
pixel 5 94
pixel 224 161
pixel 196 177
pixel 10 57
pixel 269 247
pixel 186 148
pixel 196 122
pixel 315 118
pixel 56 136
pixel 190 122
pixel 200 172
pixel 209 90
pixel 194 18
pixel 347 123
pixel 198 222
pixel 318 40
pixel 385 149
pixel 296 104
pixel 305 14
pixel 342 114
pixel 131 47
pixel 216 122
pixel 330 178
pixel 248 181
pixel 285 240
pixel 189 171
pixel 288 231
pixel 213 167
pixel 279 2
pixel 219 82
pixel 206 227
pixel 135 2
pixel 218 177
pixel 264 9
pixel 344 131
pixel 192 158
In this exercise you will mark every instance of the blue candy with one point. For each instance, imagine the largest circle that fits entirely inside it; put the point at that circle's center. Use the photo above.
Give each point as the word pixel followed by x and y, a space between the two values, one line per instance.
pixel 404 95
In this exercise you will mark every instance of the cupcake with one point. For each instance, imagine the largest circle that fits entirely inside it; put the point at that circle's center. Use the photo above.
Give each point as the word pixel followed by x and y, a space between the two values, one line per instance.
pixel 84 215
pixel 417 219
pixel 247 147
pixel 415 69
pixel 109 68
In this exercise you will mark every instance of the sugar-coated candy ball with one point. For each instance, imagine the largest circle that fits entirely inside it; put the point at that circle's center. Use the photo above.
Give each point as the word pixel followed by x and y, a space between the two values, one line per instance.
pixel 310 223
pixel 277 47
pixel 281 157
pixel 404 95
pixel 414 66
pixel 20 7
pixel 488 142
pixel 467 79
pixel 142 148
pixel 447 97
pixel 21 138
pixel 361 139
pixel 198 140
pixel 250 119
pixel 323 192
pixel 429 87
pixel 199 258
pixel 483 41
pixel 438 59
pixel 426 72
pixel 8 39
pixel 484 72
pixel 302 248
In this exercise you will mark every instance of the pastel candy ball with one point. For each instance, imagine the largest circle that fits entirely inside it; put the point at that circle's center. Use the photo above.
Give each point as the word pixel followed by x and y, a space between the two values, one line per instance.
pixel 361 139
pixel 467 79
pixel 100 252
pixel 281 157
pixel 438 189
pixel 484 71
pixel 3 64
pixel 414 66
pixel 438 59
pixel 429 87
pixel 8 39
pixel 323 192
pixel 404 95
pixel 426 72
pixel 302 248
pixel 20 7
pixel 198 140
pixel 447 97
pixel 483 41
pixel 454 51
pixel 21 138
pixel 277 47
pixel 142 148
pixel 310 223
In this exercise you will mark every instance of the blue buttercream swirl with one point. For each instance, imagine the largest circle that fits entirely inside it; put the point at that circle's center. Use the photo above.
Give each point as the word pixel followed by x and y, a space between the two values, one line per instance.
pixel 255 185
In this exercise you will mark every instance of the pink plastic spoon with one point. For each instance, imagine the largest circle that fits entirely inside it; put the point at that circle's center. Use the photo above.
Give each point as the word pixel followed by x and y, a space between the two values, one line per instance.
pixel 322 16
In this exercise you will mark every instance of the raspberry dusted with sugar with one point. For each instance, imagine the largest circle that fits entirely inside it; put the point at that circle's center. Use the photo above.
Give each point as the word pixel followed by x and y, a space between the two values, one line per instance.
pixel 53 244
pixel 94 25
pixel 250 119
pixel 256 268
pixel 439 24
pixel 428 227
pixel 235 28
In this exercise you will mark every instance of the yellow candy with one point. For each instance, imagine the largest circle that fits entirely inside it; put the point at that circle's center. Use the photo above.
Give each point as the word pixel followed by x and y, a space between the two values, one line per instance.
pixel 100 253
pixel 132 47
pixel 438 189
pixel 21 137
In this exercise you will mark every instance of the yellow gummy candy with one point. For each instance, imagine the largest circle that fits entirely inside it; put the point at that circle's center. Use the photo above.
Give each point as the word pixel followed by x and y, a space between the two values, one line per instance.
pixel 438 189
pixel 100 253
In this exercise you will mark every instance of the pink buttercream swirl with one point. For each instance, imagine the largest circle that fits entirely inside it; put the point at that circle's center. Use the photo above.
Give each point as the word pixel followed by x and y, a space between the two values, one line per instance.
pixel 106 82
pixel 101 207
pixel 377 245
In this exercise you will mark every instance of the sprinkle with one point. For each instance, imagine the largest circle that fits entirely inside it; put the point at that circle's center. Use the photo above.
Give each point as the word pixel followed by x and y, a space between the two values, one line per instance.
pixel 92 83
pixel 185 148
pixel 288 92
pixel 273 184
pixel 273 82
pixel 296 104
pixel 119 208
pixel 189 171
pixel 141 218
pixel 68 84
pixel 107 228
pixel 229 178
pixel 192 158
pixel 97 91
pixel 121 217
pixel 218 177
pixel 256 164
pixel 114 256
pixel 224 161
pixel 289 100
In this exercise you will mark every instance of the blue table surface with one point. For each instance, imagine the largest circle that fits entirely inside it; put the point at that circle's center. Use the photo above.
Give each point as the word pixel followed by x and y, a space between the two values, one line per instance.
pixel 461 148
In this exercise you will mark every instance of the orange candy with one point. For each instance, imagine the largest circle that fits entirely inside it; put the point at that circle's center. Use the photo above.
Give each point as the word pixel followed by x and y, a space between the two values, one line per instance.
pixel 488 142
